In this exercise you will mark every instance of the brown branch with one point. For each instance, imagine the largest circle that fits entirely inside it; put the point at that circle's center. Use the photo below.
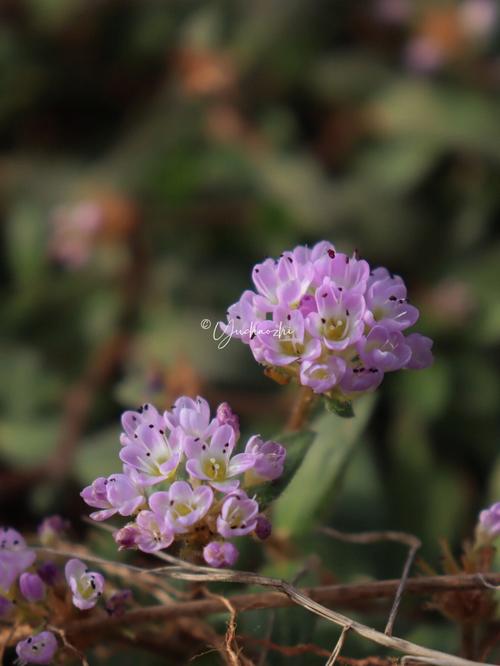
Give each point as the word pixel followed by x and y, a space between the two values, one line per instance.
pixel 409 540
pixel 339 595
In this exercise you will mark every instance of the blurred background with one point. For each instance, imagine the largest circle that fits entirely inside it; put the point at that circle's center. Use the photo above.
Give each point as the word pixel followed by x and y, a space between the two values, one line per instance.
pixel 152 152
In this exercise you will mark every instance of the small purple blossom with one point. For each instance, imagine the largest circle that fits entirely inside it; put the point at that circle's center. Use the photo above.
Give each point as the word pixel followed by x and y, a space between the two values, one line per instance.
pixel 182 506
pixel 220 554
pixel 213 463
pixel 421 354
pixel 118 602
pixel 15 557
pixel 226 416
pixel 32 587
pixel 489 521
pixel 86 586
pixel 269 459
pixel 153 532
pixel 384 349
pixel 322 376
pixel 51 528
pixel 117 494
pixel 39 649
pixel 127 536
pixel 238 516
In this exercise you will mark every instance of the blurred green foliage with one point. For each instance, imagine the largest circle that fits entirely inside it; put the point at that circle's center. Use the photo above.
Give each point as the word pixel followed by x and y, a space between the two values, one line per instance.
pixel 232 131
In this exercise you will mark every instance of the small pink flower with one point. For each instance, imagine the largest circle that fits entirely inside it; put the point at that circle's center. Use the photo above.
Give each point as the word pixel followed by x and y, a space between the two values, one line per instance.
pixel 39 649
pixel 86 586
pixel 182 506
pixel 238 516
pixel 220 554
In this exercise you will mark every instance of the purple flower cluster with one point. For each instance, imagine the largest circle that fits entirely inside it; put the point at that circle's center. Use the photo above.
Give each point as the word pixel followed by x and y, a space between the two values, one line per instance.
pixel 328 320
pixel 25 581
pixel 181 482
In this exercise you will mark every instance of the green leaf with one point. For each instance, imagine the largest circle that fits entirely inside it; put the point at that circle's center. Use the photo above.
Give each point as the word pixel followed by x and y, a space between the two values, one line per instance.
pixel 297 444
pixel 317 480
pixel 341 408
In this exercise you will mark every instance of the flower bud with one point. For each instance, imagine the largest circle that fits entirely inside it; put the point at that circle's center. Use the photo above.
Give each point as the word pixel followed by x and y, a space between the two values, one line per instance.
pixel 32 587
pixel 263 529
pixel 220 554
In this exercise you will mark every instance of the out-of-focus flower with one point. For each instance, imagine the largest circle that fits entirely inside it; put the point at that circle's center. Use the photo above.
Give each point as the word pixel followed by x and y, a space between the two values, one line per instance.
pixel 269 460
pixel 32 586
pixel 220 554
pixel 86 586
pixel 118 602
pixel 74 229
pixel 226 416
pixel 326 319
pixel 478 17
pixel 394 12
pixel 15 557
pixel 489 521
pixel 51 528
pixel 39 649
pixel 204 72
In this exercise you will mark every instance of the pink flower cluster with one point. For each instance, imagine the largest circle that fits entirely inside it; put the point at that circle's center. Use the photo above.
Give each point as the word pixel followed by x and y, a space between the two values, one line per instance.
pixel 181 482
pixel 329 321
pixel 23 582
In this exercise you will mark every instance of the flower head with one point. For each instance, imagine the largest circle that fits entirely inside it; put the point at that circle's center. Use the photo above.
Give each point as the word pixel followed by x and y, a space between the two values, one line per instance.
pixel 119 493
pixel 153 532
pixel 39 649
pixel 327 320
pixel 86 586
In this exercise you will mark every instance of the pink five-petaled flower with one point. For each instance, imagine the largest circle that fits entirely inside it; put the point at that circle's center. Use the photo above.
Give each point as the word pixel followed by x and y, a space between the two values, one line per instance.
pixel 182 506
pixel 39 649
pixel 421 354
pixel 322 375
pixel 220 554
pixel 339 319
pixel 86 586
pixel 384 349
pixel 238 516
pixel 153 532
pixel 152 454
pixel 284 339
pixel 269 460
pixel 120 493
pixel 32 587
pixel 15 557
pixel 213 463
pixel 191 418
pixel 387 303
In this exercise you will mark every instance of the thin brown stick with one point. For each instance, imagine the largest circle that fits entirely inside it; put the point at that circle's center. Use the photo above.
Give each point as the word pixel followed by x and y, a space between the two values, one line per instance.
pixel 340 644
pixel 409 540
